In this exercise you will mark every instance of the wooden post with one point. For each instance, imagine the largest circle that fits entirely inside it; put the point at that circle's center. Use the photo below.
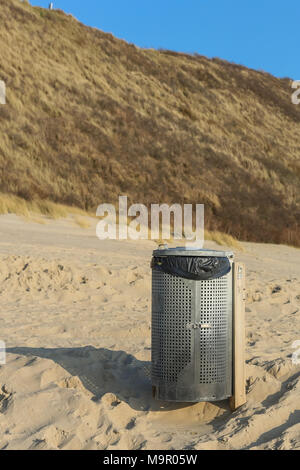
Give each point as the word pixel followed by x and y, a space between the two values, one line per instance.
pixel 239 323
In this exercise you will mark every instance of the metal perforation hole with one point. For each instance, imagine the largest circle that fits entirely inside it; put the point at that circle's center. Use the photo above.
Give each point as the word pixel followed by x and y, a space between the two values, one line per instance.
pixel 169 331
pixel 213 310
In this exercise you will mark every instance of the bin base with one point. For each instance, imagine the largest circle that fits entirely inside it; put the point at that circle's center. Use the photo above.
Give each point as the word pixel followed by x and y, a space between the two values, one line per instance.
pixel 192 393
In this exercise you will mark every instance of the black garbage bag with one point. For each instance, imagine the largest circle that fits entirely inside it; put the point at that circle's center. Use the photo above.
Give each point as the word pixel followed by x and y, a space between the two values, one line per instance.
pixel 192 267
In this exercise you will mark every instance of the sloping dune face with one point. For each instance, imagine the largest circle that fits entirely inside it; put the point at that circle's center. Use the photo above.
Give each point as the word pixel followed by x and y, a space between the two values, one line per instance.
pixel 75 317
pixel 89 117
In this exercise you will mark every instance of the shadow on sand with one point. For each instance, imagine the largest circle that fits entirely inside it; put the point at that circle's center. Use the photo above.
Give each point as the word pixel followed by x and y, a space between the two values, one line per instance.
pixel 104 371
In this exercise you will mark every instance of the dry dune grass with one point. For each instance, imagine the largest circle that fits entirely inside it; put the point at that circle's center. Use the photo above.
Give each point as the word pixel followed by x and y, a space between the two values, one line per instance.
pixel 90 117
pixel 31 211
pixel 220 238
pixel 11 204
pixel 223 239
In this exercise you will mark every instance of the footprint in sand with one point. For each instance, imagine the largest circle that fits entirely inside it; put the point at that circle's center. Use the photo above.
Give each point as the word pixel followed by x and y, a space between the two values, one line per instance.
pixel 6 398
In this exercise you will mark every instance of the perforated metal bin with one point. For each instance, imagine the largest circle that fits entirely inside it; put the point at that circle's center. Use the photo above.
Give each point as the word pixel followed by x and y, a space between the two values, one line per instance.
pixel 191 327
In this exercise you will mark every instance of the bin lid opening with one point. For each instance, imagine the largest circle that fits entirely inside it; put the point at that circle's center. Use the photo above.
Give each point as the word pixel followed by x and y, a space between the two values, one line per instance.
pixel 191 251
pixel 198 268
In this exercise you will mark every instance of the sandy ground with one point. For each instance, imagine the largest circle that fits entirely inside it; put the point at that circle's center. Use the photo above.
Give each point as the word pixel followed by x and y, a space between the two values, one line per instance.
pixel 75 316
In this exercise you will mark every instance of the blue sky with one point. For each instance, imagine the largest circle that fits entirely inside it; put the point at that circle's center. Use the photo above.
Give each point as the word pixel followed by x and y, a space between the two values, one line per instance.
pixel 261 34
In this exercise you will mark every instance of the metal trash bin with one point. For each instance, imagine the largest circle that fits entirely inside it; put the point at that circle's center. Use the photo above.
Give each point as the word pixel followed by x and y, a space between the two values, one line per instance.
pixel 191 324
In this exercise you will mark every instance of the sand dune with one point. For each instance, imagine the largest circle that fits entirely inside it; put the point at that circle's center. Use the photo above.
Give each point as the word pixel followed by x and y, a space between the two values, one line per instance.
pixel 75 316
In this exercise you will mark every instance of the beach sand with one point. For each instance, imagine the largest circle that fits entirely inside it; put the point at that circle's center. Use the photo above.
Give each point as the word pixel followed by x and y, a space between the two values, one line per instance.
pixel 75 316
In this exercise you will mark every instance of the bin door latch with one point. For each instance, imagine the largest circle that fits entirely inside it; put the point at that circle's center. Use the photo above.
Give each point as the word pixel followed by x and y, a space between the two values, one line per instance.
pixel 197 325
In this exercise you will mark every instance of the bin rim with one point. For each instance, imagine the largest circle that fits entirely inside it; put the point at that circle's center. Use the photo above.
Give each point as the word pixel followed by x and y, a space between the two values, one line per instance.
pixel 191 251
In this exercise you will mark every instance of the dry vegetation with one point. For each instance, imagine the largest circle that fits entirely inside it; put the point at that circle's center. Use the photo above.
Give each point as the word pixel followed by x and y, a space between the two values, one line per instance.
pixel 11 204
pixel 90 117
